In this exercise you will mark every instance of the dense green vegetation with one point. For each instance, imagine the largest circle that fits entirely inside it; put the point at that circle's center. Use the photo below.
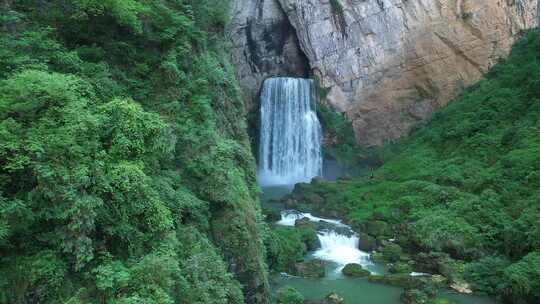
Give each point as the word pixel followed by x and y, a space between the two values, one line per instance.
pixel 462 193
pixel 125 169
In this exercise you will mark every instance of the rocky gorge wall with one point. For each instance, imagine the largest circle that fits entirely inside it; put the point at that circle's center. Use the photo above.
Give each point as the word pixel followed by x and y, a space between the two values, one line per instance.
pixel 387 64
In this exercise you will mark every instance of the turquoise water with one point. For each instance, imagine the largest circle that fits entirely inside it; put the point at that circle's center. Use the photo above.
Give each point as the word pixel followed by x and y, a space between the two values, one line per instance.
pixel 353 290
pixel 360 291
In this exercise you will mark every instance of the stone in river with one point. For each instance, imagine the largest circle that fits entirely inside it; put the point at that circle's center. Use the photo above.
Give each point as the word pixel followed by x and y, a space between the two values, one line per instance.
pixel 355 270
pixel 310 269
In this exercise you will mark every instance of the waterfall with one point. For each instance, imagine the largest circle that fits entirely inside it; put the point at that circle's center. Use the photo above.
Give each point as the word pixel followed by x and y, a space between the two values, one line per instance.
pixel 290 139
pixel 337 247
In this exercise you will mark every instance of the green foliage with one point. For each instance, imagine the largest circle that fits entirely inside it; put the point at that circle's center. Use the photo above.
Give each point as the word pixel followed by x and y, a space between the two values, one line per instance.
pixel 486 274
pixel 289 295
pixel 340 140
pixel 391 252
pixel 466 183
pixel 523 278
pixel 289 249
pixel 123 152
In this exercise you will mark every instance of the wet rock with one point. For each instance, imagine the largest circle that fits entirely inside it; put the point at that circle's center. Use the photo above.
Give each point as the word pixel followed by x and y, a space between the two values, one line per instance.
pixel 309 236
pixel 355 270
pixel 310 269
pixel 290 203
pixel 303 222
pixel 339 229
pixel 435 262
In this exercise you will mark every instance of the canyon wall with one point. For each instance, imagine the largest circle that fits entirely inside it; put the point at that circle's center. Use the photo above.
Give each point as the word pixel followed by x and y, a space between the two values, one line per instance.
pixel 387 64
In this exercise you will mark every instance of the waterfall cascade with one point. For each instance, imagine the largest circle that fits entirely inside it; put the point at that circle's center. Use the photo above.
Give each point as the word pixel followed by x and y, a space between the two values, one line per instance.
pixel 290 140
pixel 336 247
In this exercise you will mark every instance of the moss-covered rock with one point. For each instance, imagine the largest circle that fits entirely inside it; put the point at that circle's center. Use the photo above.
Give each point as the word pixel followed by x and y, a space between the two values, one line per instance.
pixel 355 270
pixel 289 295
pixel 401 267
pixel 310 269
pixel 377 257
pixel 398 279
pixel 366 242
pixel 271 214
pixel 308 234
pixel 391 252
pixel 375 228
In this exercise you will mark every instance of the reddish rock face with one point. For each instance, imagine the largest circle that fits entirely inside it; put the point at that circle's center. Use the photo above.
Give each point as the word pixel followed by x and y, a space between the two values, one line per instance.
pixel 389 63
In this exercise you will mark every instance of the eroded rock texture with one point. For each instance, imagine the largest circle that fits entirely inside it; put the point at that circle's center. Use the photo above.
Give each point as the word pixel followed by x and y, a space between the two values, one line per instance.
pixel 387 63
pixel 264 44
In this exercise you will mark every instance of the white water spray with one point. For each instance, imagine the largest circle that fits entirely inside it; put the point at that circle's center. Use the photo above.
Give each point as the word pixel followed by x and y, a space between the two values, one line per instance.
pixel 290 139
pixel 341 249
pixel 338 248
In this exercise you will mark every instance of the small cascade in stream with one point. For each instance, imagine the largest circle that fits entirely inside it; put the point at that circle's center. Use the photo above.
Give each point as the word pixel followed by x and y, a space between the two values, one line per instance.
pixel 337 245
pixel 341 249
pixel 291 135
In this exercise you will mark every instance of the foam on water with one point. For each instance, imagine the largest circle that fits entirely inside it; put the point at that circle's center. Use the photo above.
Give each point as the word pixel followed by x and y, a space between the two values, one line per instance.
pixel 341 249
pixel 338 248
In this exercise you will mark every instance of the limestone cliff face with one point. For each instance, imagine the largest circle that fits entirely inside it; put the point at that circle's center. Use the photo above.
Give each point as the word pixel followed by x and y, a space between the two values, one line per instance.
pixel 390 63
pixel 264 44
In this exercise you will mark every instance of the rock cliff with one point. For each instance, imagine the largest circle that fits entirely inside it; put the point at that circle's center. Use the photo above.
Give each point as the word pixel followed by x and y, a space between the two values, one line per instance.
pixel 388 64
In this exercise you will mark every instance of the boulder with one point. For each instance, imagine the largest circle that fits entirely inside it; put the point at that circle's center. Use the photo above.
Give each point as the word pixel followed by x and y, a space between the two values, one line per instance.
pixel 391 252
pixel 272 214
pixel 313 198
pixel 398 279
pixel 401 267
pixel 366 242
pixel 310 269
pixel 355 270
pixel 302 222
pixel 375 228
